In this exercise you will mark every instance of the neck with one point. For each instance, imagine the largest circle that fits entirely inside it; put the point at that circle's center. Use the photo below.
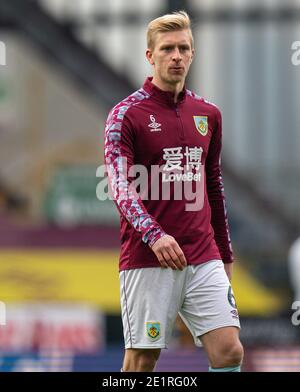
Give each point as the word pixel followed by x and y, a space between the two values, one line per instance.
pixel 175 88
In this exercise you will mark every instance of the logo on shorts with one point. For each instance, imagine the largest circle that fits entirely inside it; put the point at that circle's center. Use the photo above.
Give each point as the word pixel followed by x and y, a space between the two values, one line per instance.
pixel 231 298
pixel 153 329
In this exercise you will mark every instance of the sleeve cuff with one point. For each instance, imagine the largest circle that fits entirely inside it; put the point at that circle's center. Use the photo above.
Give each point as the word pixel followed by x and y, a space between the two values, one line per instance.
pixel 152 236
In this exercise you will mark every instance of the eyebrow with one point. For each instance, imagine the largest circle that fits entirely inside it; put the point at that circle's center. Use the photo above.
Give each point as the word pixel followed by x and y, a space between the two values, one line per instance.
pixel 174 44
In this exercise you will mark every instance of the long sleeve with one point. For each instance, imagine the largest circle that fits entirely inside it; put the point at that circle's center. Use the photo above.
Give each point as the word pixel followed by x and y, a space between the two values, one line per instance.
pixel 119 157
pixel 215 192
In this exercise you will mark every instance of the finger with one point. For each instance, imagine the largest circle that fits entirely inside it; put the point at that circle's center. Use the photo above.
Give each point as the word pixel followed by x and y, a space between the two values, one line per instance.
pixel 180 254
pixel 161 260
pixel 168 259
pixel 176 259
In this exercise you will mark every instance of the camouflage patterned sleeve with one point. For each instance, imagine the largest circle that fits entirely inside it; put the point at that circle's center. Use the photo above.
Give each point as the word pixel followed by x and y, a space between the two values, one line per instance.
pixel 119 157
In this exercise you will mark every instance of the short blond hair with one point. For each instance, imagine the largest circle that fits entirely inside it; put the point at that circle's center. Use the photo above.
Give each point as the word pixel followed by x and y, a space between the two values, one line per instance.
pixel 170 22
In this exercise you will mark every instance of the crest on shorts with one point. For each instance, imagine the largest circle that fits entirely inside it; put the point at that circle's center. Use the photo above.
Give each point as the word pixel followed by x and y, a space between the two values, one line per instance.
pixel 201 123
pixel 153 329
pixel 231 298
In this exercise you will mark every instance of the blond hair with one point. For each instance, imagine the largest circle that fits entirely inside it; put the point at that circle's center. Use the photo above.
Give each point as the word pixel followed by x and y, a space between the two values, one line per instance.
pixel 169 22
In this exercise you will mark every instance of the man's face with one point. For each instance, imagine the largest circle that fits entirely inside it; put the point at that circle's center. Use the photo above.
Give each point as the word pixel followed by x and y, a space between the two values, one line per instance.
pixel 171 56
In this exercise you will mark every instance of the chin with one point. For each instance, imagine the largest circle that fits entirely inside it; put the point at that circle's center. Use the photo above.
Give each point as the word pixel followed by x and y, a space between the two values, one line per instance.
pixel 176 78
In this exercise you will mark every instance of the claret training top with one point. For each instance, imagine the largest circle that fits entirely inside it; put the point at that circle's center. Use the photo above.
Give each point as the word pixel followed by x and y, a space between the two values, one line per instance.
pixel 183 141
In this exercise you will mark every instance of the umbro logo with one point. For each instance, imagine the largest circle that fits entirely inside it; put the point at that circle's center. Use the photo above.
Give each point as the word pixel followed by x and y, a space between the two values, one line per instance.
pixel 154 126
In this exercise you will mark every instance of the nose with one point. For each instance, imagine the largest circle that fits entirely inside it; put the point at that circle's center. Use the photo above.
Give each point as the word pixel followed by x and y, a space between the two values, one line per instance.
pixel 176 55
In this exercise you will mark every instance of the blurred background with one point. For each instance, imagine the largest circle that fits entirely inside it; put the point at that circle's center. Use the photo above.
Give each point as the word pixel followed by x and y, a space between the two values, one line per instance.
pixel 66 64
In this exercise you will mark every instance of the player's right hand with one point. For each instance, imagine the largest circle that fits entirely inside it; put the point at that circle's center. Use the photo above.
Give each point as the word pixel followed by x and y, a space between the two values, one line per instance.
pixel 169 253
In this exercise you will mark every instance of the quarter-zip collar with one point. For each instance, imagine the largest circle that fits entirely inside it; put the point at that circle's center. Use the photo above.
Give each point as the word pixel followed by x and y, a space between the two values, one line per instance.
pixel 161 95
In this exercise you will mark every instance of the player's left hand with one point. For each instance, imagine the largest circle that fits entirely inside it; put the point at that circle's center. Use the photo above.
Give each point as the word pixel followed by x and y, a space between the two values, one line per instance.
pixel 229 270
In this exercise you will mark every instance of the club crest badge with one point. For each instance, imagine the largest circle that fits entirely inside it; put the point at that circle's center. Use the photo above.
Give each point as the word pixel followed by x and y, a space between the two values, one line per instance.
pixel 153 330
pixel 201 123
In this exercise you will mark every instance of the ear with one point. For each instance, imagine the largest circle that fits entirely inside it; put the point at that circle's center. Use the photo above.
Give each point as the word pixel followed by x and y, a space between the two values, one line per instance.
pixel 193 53
pixel 149 56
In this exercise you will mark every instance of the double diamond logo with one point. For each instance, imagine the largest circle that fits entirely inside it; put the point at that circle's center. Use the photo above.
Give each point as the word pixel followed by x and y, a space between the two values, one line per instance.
pixel 154 126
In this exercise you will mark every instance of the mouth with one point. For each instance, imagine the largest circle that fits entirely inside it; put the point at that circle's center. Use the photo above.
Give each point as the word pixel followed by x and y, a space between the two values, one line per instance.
pixel 176 69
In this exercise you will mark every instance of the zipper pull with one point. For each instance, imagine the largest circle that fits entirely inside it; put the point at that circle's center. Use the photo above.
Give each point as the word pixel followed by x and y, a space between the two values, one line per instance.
pixel 177 112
